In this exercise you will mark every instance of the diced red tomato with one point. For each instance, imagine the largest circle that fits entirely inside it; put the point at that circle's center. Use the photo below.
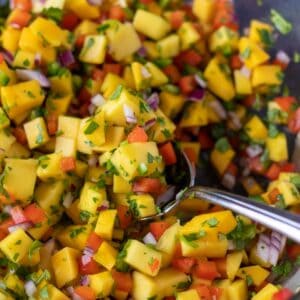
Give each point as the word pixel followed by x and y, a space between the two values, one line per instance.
pixel 235 62
pixel 20 135
pixel 286 103
pixel 19 18
pixel 221 266
pixel 184 264
pixel 148 185
pixel 137 135
pixel 68 164
pixel 35 214
pixel 5 224
pixel 232 169
pixel 92 267
pixel 18 215
pixel 190 57
pixel 283 294
pixel 52 124
pixel 154 265
pixel 1 58
pixel 177 18
pixel 94 241
pixel 178 251
pixel 80 41
pixel 273 195
pixel 203 291
pixel 206 270
pixel 69 21
pixel 123 281
pixel 273 171
pixel 124 215
pixel 172 72
pixel 216 292
pixel 205 140
pixel 294 121
pixel 24 5
pixel 248 101
pixel 191 154
pixel 84 95
pixel 293 251
pixel 158 228
pixel 112 68
pixel 98 74
pixel 168 153
pixel 287 167
pixel 85 292
pixel 256 165
pixel 187 84
pixel 116 12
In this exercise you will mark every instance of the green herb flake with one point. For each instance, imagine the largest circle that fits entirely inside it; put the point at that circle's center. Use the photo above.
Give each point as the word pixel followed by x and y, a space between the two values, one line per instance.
pixel 166 133
pixel 39 138
pixel 116 94
pixel 91 127
pixel 44 294
pixel 259 2
pixel 53 13
pixel 34 247
pixel 246 53
pixel 4 79
pixel 171 88
pixel 249 280
pixel 103 27
pixel 75 232
pixel 296 181
pixel 162 62
pixel 89 44
pixel 283 269
pixel 212 222
pixel 281 24
pixel 296 57
pixel 84 215
pixel 266 37
pixel 142 169
pixel 273 131
pixel 222 145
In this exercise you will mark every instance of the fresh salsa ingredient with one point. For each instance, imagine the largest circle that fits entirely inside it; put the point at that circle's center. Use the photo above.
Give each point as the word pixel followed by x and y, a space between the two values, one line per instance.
pixel 96 99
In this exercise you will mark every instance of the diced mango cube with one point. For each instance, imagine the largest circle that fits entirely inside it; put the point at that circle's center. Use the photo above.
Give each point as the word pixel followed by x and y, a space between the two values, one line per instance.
pixel 94 49
pixel 266 293
pixel 106 255
pixel 267 75
pixel 50 167
pixel 256 130
pixel 102 283
pixel 191 294
pixel 242 83
pixel 142 205
pixel 168 46
pixel 277 147
pixel 257 274
pixel 144 287
pixel 105 223
pixel 188 35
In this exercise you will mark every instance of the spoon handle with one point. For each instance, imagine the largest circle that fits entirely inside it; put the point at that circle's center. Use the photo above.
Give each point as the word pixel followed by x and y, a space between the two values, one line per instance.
pixel 279 220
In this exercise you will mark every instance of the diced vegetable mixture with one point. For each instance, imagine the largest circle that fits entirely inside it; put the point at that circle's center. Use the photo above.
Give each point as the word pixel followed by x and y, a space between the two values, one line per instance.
pixel 95 98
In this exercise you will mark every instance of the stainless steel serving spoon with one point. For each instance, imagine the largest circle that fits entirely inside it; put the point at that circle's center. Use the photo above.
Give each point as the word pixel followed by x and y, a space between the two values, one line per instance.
pixel 184 174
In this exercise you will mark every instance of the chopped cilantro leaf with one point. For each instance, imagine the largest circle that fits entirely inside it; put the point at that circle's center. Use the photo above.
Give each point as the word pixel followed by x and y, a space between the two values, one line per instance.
pixel 281 24
pixel 222 145
pixel 116 94
pixel 91 127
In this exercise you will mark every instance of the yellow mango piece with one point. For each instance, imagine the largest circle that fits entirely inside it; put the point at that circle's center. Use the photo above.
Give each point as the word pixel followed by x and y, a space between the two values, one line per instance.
pixel 277 147
pixel 142 77
pixel 106 255
pixel 242 83
pixel 152 49
pixel 102 283
pixel 105 223
pixel 188 295
pixel 110 83
pixel 167 242
pixel 290 193
pixel 5 295
pixel 204 10
pixel 83 9
pixel 168 46
pixel 256 273
pixel 10 74
pixel 144 287
pixel 217 74
pixel 24 59
pixel 221 160
pixel 233 262
pixel 151 25
pixel 188 35
pixel 94 49
pixel 196 114
pixel 223 39
pixel 266 293
pixel 17 99
pixel 10 39
pixel 144 205
pixel 238 290
pixel 256 130
pixel 55 294
pixel 251 53
pixel 20 178
pixel 66 146
pixel 36 132
pixel 171 104
pixel 16 245
pixel 267 75
pixel 74 236
pixel 251 186
pixel 61 85
pixel 120 185
pixel 68 126
pixel 257 30
pixel 158 77
pixel 14 283
pixel 65 267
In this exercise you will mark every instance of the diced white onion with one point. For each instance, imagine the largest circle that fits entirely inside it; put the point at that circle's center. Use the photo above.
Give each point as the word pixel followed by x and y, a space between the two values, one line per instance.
pixel 283 57
pixel 24 226
pixel 236 122
pixel 149 239
pixel 218 109
pixel 129 114
pixel 98 100
pixel 200 81
pixel 254 150
pixel 91 109
pixel 228 181
pixel 67 200
pixel 145 73
pixel 93 160
pixel 246 72
pixel 263 247
pixel 85 259
pixel 30 288
pixel 122 3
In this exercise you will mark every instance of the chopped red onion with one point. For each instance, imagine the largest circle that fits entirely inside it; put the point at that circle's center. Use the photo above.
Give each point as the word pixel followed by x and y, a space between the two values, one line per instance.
pixel 66 58
pixel 281 238
pixel 196 95
pixel 218 109
pixel 24 226
pixel 15 25
pixel 228 181
pixel 263 247
pixel 296 153
pixel 167 196
pixel 30 288
pixel 149 124
pixel 254 150
pixel 200 81
pixel 33 75
pixel 67 200
pixel 142 52
pixel 38 59
pixel 129 114
pixel 91 109
pixel 95 2
pixel 104 206
pixel 93 160
pixel 8 57
pixel 236 122
pixel 283 57
pixel 88 251
pixel 149 239
pixel 145 73
pixel 85 259
pixel 84 280
pixel 153 101
pixel 246 72
pixel 98 100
